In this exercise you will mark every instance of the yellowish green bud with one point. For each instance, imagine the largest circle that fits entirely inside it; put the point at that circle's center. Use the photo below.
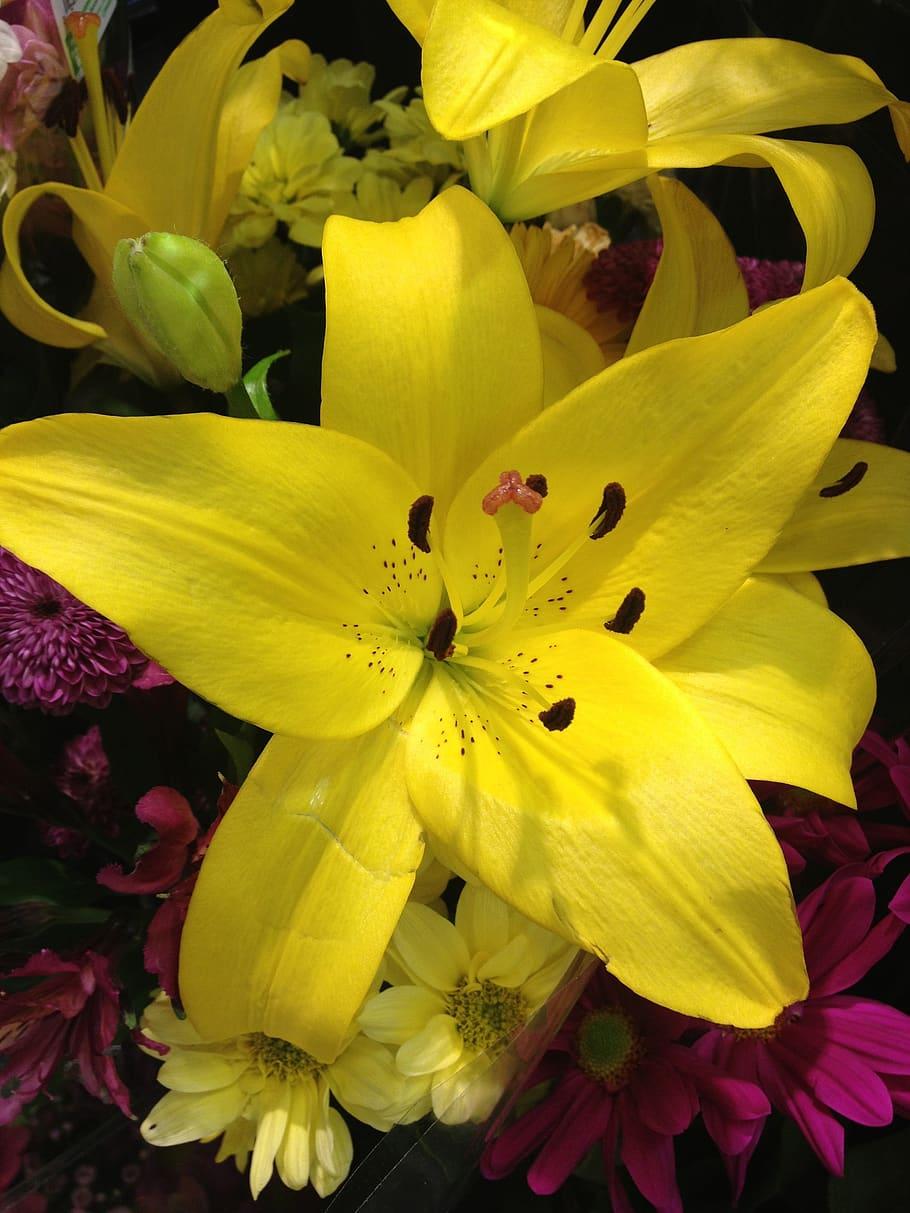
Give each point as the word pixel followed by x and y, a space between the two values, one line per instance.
pixel 177 294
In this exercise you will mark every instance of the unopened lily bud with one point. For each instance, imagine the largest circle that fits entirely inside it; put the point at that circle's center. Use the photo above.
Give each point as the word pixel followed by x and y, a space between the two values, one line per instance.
pixel 177 294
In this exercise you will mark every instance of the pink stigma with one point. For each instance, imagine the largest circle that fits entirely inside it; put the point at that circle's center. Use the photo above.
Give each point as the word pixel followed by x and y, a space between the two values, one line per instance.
pixel 511 487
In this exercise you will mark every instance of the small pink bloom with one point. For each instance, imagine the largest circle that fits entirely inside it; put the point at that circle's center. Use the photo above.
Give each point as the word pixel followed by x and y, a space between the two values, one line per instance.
pixel 71 1015
pixel 621 1078
pixel 834 1055
pixel 35 75
pixel 160 867
pixel 170 866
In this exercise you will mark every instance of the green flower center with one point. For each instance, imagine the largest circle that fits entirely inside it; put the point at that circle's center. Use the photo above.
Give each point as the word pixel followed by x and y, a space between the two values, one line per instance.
pixel 485 1013
pixel 609 1047
pixel 278 1058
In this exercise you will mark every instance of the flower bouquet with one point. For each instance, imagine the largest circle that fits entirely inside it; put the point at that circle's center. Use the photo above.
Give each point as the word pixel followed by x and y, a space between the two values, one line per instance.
pixel 428 752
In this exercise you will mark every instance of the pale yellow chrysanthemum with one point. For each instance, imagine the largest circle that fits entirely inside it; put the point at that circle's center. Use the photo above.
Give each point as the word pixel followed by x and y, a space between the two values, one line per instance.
pixel 298 176
pixel 271 1101
pixel 341 90
pixel 383 200
pixel 268 278
pixel 415 148
pixel 556 263
pixel 471 986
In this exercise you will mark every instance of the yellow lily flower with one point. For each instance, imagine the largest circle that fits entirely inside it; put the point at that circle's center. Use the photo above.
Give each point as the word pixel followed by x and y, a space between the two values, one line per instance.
pixel 549 117
pixel 177 170
pixel 552 697
pixel 698 288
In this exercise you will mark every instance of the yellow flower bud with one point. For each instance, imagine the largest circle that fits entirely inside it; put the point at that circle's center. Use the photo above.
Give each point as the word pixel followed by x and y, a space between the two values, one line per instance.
pixel 177 294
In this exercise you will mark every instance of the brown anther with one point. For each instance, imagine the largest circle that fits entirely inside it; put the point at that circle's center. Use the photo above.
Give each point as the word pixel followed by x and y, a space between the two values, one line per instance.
pixel 115 91
pixel 848 481
pixel 537 483
pixel 630 611
pixel 559 716
pixel 78 24
pixel 441 635
pixel 419 523
pixel 612 506
pixel 64 110
pixel 511 487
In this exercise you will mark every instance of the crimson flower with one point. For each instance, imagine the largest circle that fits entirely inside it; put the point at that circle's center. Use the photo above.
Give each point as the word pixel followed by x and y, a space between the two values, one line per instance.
pixel 71 1013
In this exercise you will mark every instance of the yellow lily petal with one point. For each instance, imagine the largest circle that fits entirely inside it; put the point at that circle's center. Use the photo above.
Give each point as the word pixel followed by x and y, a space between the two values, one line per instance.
pixel 165 168
pixel 698 287
pixel 249 106
pixel 828 187
pixel 483 64
pixel 703 436
pixel 570 354
pixel 868 522
pixel 300 891
pixel 804 583
pixel 751 85
pixel 413 14
pixel 640 789
pixel 432 350
pixel 784 684
pixel 99 223
pixel 170 526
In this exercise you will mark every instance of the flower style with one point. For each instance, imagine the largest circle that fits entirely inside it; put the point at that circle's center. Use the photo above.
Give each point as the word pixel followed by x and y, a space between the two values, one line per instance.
pixel 831 1054
pixel 34 69
pixel 56 652
pixel 622 1078
pixel 270 1099
pixel 72 1014
pixel 205 159
pixel 538 692
pixel 527 87
pixel 474 984
pixel 298 176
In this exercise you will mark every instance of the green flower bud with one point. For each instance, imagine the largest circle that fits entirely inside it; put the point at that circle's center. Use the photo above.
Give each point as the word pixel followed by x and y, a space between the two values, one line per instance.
pixel 178 295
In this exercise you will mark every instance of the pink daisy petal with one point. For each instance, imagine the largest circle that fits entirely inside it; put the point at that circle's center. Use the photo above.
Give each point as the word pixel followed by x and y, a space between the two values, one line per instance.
pixel 579 1128
pixel 650 1160
pixel 823 1132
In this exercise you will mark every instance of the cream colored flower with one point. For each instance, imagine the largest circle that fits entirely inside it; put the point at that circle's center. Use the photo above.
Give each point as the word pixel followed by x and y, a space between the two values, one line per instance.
pixel 341 91
pixel 270 1100
pixel 298 176
pixel 415 148
pixel 473 984
pixel 383 200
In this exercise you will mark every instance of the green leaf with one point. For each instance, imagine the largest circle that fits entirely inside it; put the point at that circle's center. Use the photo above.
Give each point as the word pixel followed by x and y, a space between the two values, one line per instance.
pixel 35 879
pixel 257 389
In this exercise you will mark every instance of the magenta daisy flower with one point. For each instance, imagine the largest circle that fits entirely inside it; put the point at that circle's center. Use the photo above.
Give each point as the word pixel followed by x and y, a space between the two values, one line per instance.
pixel 623 1079
pixel 55 652
pixel 834 1055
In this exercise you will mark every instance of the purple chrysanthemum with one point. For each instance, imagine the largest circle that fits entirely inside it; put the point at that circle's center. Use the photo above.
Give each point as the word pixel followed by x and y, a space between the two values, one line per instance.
pixel 55 652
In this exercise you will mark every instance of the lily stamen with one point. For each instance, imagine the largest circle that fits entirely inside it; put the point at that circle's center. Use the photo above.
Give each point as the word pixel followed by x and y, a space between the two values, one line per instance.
pixel 606 519
pixel 629 612
pixel 419 523
pixel 84 28
pixel 848 481
pixel 442 634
